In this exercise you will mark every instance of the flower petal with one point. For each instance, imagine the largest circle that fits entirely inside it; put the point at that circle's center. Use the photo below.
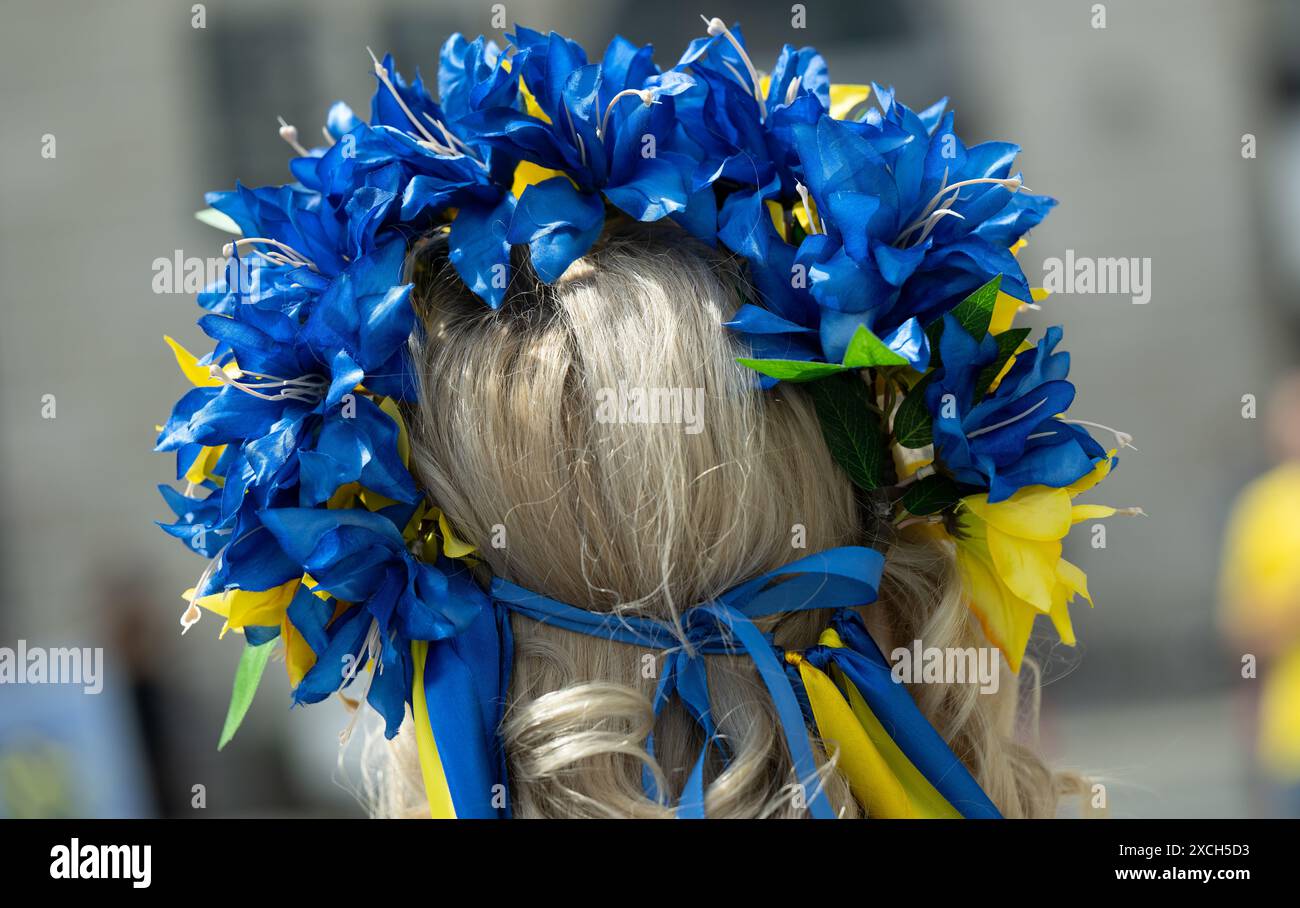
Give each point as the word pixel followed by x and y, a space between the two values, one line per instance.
pixel 1028 568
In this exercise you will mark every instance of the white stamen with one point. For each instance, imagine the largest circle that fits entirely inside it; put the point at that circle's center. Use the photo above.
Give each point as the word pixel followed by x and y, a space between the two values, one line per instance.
pixel 577 139
pixel 276 258
pixel 1122 439
pixel 921 473
pixel 715 27
pixel 308 388
pixel 193 613
pixel 814 226
pixel 1006 422
pixel 1130 512
pixel 911 521
pixel 647 98
pixel 453 147
pixel 392 89
pixel 1011 184
pixel 371 650
pixel 926 220
pixel 328 138
pixel 290 255
pixel 450 140
pixel 735 73
pixel 289 133
pixel 793 90
pixel 926 225
pixel 456 146
pixel 934 219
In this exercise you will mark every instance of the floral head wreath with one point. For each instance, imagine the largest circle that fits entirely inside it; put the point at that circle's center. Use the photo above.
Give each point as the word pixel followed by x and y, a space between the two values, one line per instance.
pixel 882 251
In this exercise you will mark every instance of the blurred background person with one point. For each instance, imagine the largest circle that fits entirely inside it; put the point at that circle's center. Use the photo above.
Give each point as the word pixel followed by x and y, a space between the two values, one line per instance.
pixel 1260 593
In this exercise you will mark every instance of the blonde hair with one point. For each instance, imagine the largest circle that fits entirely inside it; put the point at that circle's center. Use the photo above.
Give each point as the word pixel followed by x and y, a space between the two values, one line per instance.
pixel 610 515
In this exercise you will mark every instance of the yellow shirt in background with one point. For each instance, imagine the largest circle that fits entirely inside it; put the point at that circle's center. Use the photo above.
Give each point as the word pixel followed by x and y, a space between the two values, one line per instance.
pixel 1261 589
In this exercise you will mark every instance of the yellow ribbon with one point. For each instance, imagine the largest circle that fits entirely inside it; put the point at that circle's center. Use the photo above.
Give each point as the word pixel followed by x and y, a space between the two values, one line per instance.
pixel 882 778
pixel 435 780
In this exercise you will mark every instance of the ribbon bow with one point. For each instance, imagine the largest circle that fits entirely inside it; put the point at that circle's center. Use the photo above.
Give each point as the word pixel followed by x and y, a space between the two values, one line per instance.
pixel 836 578
pixel 897 765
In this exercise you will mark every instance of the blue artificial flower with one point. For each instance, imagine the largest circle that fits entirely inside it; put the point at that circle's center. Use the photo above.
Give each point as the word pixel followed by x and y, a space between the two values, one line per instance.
pixel 1012 438
pixel 743 133
pixel 293 428
pixel 608 128
pixel 416 160
pixel 361 558
pixel 903 222
pixel 802 288
pixel 195 517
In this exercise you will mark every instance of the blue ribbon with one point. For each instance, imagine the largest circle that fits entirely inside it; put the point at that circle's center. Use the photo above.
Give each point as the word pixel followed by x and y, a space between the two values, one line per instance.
pixel 865 666
pixel 833 579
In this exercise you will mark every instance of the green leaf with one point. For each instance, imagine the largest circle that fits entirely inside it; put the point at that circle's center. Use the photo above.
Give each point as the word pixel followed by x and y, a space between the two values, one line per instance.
pixel 930 494
pixel 219 220
pixel 1008 342
pixel 976 311
pixel 912 421
pixel 933 332
pixel 792 369
pixel 865 349
pixel 851 426
pixel 249 674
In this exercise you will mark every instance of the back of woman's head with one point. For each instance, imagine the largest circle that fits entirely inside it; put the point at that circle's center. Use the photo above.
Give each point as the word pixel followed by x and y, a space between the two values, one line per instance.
pixel 599 444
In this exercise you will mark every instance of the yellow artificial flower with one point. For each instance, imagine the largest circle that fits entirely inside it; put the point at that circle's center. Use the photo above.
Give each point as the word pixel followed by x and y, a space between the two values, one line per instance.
pixel 241 608
pixel 190 368
pixel 526 172
pixel 389 406
pixel 203 465
pixel 1009 559
pixel 267 608
pixel 1008 307
pixel 806 214
pixel 847 98
pixel 844 98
